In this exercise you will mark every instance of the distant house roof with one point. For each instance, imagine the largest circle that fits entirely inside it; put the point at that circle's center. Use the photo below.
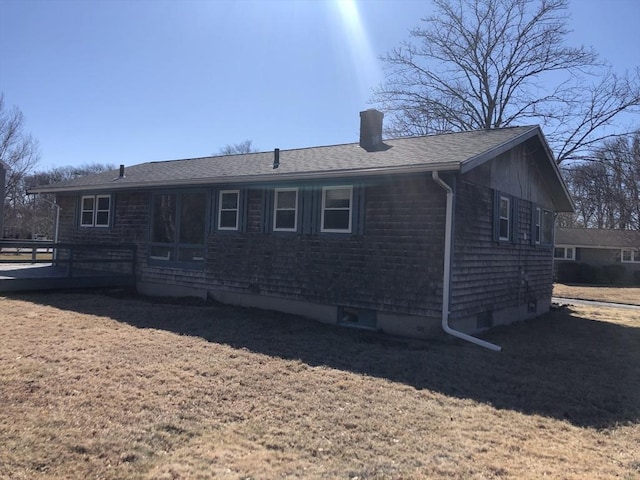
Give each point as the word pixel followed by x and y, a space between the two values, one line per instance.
pixel 461 151
pixel 597 238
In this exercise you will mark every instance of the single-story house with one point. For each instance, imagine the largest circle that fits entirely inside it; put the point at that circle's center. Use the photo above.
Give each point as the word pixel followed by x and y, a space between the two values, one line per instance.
pixel 597 255
pixel 401 235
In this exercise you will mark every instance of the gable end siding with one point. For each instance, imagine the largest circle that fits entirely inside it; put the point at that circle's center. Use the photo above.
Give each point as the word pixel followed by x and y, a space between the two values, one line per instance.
pixel 489 276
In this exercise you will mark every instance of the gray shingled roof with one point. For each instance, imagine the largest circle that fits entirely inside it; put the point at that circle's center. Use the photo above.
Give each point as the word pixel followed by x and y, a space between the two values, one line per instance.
pixel 597 238
pixel 462 151
pixel 443 152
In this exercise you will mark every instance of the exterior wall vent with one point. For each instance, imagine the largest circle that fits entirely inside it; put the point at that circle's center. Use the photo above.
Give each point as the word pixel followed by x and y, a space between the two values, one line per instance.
pixel 357 318
pixel 484 320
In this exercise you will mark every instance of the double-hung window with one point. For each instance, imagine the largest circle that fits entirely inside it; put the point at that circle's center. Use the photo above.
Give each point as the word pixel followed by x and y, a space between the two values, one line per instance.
pixel 504 226
pixel 285 210
pixel 95 211
pixel 337 209
pixel 564 253
pixel 228 209
pixel 629 255
pixel 178 226
pixel 543 226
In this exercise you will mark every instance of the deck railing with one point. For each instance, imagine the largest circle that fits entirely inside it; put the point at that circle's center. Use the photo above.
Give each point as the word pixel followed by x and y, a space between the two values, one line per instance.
pixel 119 258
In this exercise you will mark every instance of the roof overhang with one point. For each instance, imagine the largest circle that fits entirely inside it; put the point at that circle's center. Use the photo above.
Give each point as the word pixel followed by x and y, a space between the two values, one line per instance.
pixel 252 179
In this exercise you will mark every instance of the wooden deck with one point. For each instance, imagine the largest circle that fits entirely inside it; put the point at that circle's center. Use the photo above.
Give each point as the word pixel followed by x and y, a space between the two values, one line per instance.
pixel 19 277
pixel 76 266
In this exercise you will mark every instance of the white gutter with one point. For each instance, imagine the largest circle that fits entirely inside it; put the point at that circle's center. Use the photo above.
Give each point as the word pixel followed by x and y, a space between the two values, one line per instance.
pixel 446 278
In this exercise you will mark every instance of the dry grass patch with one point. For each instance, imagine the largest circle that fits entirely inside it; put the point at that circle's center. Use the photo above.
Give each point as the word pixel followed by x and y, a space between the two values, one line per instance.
pixel 98 387
pixel 629 295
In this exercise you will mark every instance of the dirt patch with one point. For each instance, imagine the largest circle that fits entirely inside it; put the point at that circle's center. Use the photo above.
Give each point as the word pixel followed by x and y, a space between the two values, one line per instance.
pixel 100 387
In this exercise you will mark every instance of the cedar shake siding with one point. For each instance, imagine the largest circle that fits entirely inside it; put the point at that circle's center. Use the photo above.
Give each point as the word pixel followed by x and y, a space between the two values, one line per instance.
pixel 490 279
pixel 350 234
pixel 395 265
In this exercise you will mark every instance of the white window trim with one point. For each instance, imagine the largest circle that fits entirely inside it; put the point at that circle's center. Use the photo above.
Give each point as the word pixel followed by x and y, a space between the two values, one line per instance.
pixel 220 210
pixel 276 209
pixel 337 230
pixel 95 221
pixel 507 218
pixel 565 250
pixel 635 255
pixel 94 212
pixel 82 210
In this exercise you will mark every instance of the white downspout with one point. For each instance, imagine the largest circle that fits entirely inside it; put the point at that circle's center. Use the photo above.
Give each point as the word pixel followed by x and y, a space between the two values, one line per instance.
pixel 448 233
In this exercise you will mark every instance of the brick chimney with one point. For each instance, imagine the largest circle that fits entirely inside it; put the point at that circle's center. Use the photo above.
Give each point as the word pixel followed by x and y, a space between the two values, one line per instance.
pixel 371 130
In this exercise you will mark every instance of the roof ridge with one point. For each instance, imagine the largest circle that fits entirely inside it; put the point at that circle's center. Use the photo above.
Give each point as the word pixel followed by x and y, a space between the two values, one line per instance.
pixel 408 137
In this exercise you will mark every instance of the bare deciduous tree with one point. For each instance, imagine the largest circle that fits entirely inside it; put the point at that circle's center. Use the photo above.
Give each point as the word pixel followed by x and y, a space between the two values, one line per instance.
pixel 606 190
pixel 479 64
pixel 20 153
pixel 238 148
pixel 38 214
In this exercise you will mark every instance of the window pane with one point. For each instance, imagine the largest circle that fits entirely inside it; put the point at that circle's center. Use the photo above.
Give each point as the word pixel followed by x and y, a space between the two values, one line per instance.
pixel 103 203
pixel 87 203
pixel 337 198
pixel 504 228
pixel 626 255
pixel 228 219
pixel 286 199
pixel 285 219
pixel 229 201
pixel 570 253
pixel 336 220
pixel 160 253
pixel 163 221
pixel 102 218
pixel 190 254
pixel 87 218
pixel 192 217
pixel 504 208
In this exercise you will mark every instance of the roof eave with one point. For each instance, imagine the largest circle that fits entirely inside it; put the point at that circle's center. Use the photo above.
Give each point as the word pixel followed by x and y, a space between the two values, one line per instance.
pixel 257 179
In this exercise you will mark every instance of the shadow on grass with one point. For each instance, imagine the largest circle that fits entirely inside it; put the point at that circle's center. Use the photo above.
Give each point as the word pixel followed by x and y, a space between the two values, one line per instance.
pixel 584 371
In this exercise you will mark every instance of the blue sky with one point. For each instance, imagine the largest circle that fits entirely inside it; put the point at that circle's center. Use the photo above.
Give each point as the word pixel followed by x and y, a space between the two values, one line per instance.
pixel 124 81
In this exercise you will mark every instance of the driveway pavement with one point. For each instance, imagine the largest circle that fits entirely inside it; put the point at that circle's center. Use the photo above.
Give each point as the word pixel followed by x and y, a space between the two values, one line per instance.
pixel 573 301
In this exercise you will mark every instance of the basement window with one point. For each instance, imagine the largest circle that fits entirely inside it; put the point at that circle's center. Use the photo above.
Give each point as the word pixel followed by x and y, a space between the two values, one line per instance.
pixel 357 318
